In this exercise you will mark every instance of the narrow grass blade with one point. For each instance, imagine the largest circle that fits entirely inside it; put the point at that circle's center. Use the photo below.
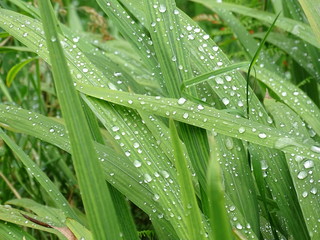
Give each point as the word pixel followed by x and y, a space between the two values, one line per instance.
pixel 218 216
pixel 254 60
pixel 15 70
pixel 209 75
pixel 206 117
pixel 192 211
pixel 96 198
pixel 39 175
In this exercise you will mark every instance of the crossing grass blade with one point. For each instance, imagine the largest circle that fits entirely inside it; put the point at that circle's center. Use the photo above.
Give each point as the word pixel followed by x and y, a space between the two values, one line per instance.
pixel 96 199
pixel 208 118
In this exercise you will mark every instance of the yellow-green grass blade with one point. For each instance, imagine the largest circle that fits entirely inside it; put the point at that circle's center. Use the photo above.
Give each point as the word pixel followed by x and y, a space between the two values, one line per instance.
pixel 97 201
pixel 12 215
pixel 208 118
pixel 10 231
pixel 118 169
pixel 78 230
pixel 192 211
pixel 53 215
pixel 297 28
pixel 312 10
pixel 15 70
pixel 218 216
pixel 40 176
pixel 304 172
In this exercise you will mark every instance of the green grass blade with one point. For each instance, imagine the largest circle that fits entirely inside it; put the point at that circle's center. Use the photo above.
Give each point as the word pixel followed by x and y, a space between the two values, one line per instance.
pixel 312 11
pixel 204 77
pixel 96 198
pixel 218 216
pixel 192 212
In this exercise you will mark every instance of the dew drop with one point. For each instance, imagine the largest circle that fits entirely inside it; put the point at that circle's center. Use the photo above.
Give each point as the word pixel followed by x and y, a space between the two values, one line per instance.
pixel 156 197
pixel 241 130
pixel 147 178
pixel 181 101
pixel 262 135
pixel 302 175
pixel 315 149
pixel 115 128
pixel 308 164
pixel 185 115
pixel 162 8
pixel 137 163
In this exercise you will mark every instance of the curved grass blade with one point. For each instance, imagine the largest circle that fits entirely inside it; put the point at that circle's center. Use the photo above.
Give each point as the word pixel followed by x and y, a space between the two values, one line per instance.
pixel 96 199
pixel 15 70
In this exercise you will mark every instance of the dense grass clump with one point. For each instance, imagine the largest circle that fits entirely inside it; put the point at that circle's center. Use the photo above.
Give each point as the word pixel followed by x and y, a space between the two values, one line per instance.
pixel 159 119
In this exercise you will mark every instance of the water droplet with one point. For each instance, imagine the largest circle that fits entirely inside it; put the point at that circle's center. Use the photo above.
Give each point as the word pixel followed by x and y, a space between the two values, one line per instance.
pixel 181 101
pixel 185 115
pixel 176 11
pixel 225 101
pixel 200 107
pixel 162 8
pixel 315 149
pixel 314 191
pixel 305 194
pixel 85 70
pixel 284 142
pixel 206 37
pixel 156 197
pixel 229 143
pixel 219 80
pixel 308 164
pixel 262 135
pixel 302 175
pixel 241 130
pixel 51 130
pixel 165 174
pixel 215 48
pixel 137 163
pixel 115 128
pixel 147 178
pixel 53 39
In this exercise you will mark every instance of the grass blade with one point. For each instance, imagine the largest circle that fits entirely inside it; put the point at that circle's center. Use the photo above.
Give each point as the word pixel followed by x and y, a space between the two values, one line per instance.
pixel 218 215
pixel 192 212
pixel 96 198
